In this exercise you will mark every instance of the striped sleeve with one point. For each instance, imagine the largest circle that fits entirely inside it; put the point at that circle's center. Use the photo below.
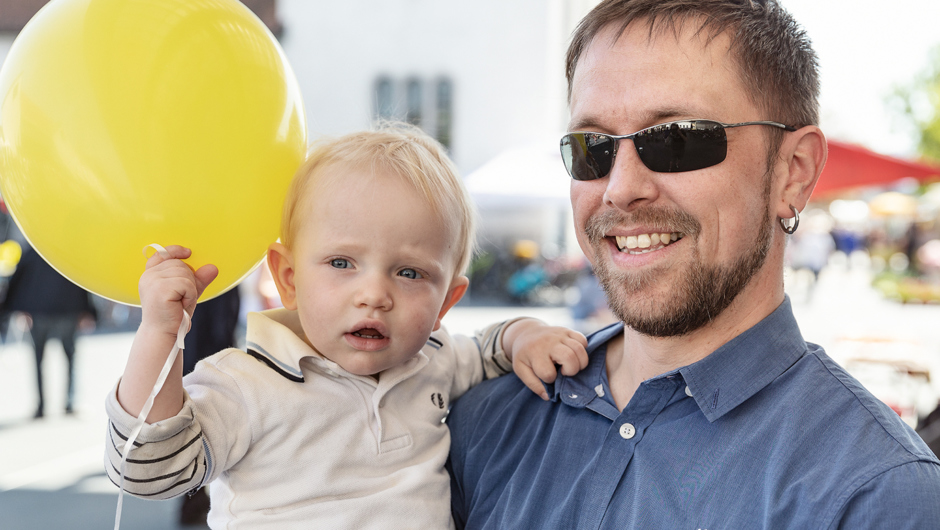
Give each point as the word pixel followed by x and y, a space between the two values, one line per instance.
pixel 169 458
pixel 479 357
pixel 494 359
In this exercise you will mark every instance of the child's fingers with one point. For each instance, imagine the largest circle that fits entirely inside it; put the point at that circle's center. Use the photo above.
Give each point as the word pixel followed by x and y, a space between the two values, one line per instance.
pixel 204 276
pixel 579 346
pixel 544 368
pixel 200 280
pixel 578 337
pixel 174 252
pixel 571 357
pixel 528 377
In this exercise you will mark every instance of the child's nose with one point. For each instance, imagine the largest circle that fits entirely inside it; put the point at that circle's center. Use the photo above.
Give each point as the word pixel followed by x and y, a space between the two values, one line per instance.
pixel 374 293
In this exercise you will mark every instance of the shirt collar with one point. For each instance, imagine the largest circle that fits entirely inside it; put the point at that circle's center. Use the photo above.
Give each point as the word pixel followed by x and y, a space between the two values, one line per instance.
pixel 278 336
pixel 719 382
pixel 745 364
pixel 586 385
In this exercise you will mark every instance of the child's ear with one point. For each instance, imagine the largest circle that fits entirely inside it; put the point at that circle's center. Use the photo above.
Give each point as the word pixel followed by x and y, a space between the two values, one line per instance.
pixel 457 289
pixel 281 263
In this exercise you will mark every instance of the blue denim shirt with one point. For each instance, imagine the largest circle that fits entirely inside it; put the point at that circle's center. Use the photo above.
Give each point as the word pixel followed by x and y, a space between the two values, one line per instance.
pixel 766 432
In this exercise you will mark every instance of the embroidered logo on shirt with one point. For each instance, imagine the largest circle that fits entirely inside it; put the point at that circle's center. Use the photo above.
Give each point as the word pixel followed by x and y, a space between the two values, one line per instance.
pixel 437 399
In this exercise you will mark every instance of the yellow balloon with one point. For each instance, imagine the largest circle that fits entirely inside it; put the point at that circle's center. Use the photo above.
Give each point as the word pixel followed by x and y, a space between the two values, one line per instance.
pixel 130 122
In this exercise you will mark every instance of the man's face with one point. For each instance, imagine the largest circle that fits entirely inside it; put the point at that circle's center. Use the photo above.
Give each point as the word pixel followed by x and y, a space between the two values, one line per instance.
pixel 717 221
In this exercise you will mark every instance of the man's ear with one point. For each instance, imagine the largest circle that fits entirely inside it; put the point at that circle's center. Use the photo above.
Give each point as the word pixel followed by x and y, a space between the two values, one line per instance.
pixel 801 160
pixel 457 289
pixel 281 263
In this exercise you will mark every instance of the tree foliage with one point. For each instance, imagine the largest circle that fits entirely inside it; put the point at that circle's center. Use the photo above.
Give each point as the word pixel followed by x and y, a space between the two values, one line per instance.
pixel 919 105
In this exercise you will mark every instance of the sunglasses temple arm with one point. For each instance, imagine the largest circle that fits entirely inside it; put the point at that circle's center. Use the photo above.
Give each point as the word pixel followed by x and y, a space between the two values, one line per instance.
pixel 788 128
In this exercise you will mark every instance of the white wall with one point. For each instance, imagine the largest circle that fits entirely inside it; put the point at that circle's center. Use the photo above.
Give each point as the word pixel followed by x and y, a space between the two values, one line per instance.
pixel 504 57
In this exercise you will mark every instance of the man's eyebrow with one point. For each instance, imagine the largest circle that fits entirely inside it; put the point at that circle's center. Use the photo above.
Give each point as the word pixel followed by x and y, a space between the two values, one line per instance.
pixel 592 123
pixel 584 124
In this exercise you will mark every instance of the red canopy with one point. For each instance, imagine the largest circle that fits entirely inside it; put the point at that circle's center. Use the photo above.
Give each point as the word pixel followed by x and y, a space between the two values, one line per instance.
pixel 851 166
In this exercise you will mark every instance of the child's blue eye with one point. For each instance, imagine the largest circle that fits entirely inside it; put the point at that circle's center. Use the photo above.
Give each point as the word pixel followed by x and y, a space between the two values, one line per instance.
pixel 339 263
pixel 411 274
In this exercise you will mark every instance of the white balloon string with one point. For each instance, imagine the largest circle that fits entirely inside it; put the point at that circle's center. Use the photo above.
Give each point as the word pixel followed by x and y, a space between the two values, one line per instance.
pixel 145 411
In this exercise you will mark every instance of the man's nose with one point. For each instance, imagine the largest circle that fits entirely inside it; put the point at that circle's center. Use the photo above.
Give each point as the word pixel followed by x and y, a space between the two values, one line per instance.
pixel 630 184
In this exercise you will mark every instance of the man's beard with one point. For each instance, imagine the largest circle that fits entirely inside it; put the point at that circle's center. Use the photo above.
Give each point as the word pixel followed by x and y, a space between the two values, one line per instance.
pixel 697 298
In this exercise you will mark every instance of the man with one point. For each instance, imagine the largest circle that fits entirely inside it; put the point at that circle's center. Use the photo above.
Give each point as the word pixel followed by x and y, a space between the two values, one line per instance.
pixel 704 408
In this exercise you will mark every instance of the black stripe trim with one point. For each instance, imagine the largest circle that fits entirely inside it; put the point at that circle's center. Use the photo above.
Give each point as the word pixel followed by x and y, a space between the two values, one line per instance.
pixel 497 336
pixel 162 477
pixel 196 438
pixel 275 367
pixel 502 366
pixel 496 339
pixel 177 484
pixel 436 341
pixel 121 436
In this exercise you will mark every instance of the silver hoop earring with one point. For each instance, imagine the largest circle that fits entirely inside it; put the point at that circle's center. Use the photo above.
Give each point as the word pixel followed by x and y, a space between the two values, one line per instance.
pixel 789 225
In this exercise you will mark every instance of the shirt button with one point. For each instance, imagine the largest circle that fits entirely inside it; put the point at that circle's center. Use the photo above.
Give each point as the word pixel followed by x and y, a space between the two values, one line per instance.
pixel 627 431
pixel 688 392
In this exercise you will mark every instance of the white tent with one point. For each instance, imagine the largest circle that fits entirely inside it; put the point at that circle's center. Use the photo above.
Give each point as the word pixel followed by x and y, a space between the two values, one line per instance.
pixel 523 193
pixel 527 174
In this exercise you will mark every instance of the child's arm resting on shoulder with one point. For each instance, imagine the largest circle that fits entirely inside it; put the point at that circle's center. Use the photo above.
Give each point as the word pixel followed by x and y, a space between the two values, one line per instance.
pixel 535 349
pixel 167 288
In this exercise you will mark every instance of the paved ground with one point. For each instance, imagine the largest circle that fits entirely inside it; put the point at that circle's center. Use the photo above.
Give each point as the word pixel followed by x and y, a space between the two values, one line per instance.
pixel 51 470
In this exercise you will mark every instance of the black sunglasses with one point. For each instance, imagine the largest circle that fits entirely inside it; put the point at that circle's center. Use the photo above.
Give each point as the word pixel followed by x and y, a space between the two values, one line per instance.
pixel 672 147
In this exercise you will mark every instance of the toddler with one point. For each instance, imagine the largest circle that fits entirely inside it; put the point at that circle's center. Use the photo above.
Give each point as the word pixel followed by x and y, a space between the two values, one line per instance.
pixel 333 416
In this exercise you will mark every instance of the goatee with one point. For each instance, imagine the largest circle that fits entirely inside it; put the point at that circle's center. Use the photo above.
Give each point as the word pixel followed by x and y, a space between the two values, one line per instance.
pixel 699 296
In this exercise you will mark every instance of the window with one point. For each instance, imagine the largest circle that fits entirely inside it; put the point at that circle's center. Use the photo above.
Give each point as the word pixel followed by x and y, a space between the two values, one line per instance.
pixel 445 112
pixel 384 102
pixel 408 100
pixel 415 101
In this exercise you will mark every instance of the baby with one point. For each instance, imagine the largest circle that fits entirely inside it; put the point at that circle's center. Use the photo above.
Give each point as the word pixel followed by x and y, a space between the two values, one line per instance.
pixel 333 416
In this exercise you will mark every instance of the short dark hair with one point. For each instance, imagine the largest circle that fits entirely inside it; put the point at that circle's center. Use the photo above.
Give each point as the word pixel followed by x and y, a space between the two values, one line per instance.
pixel 776 60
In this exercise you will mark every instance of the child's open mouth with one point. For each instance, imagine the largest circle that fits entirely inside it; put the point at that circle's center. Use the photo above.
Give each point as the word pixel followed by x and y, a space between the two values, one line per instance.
pixel 368 333
pixel 367 339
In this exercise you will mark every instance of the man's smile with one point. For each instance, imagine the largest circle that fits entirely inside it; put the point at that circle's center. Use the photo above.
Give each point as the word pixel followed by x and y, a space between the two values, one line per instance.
pixel 643 243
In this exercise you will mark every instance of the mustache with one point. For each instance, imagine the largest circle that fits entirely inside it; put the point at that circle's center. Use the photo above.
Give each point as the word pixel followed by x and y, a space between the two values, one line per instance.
pixel 662 218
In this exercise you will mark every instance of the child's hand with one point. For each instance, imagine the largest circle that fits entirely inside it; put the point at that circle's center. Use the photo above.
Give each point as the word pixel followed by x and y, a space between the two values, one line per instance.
pixel 168 287
pixel 536 348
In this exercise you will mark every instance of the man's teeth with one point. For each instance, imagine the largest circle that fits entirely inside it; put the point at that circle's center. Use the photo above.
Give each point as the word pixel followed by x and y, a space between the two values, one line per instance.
pixel 646 242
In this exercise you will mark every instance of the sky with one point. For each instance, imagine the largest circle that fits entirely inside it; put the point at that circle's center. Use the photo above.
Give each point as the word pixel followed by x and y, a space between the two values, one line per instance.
pixel 865 49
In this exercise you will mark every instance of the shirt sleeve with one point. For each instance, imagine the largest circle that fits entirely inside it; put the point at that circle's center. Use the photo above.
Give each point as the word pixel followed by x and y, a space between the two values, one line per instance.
pixel 168 458
pixel 906 497
pixel 210 434
pixel 480 357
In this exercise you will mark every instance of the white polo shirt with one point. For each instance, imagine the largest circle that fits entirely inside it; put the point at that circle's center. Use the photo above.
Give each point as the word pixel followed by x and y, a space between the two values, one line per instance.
pixel 291 440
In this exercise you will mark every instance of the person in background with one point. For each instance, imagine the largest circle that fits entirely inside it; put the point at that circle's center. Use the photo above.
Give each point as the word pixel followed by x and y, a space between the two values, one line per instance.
pixel 694 145
pixel 56 309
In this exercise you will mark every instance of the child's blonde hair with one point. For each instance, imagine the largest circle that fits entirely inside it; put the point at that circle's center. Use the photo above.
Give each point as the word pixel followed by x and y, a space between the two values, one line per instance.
pixel 400 149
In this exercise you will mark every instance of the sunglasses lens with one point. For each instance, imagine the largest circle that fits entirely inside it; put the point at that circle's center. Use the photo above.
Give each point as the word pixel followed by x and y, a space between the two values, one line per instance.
pixel 668 148
pixel 587 156
pixel 682 146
